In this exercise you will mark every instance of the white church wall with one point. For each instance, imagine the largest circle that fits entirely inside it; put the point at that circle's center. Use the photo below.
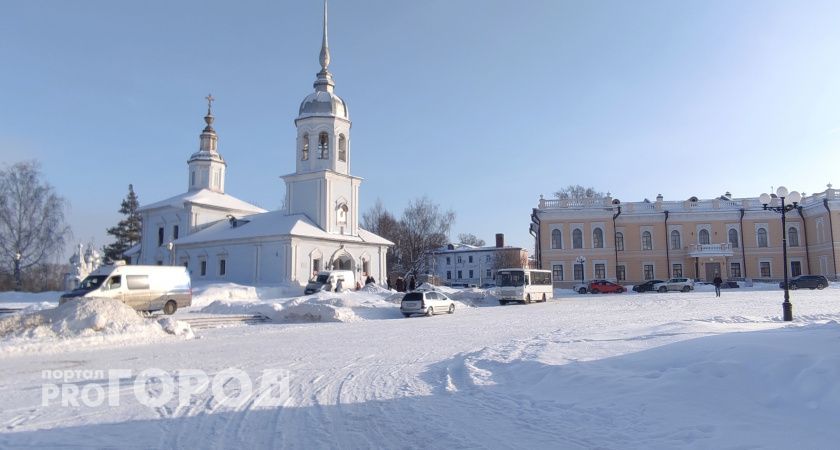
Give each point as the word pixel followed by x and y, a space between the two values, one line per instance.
pixel 305 198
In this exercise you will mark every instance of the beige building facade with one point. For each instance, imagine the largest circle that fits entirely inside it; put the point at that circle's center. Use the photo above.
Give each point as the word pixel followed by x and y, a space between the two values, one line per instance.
pixel 696 238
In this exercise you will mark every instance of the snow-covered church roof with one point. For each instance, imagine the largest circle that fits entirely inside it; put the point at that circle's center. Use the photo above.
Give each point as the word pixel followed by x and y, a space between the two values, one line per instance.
pixel 205 197
pixel 273 224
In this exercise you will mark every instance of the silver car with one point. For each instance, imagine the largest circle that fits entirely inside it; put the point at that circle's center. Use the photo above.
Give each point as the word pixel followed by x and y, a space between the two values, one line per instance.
pixel 427 303
pixel 675 284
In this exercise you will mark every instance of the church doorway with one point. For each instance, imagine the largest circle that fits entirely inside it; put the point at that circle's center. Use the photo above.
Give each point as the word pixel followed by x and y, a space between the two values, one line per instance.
pixel 343 262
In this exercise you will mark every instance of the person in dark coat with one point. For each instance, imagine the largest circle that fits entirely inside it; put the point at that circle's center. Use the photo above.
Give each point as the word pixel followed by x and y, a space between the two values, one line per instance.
pixel 369 280
pixel 717 282
pixel 411 283
pixel 388 281
pixel 400 284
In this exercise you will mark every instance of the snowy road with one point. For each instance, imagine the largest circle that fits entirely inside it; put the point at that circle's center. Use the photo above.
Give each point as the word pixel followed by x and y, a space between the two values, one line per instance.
pixel 483 377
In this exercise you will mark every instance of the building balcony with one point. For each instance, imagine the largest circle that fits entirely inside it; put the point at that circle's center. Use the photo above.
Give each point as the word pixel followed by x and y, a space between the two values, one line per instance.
pixel 701 250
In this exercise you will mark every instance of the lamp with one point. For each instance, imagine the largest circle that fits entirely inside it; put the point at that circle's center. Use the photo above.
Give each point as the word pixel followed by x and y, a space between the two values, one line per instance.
pixel 793 199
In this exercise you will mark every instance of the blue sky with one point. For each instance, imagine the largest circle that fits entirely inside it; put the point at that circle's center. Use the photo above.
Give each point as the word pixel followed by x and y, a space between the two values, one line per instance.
pixel 480 105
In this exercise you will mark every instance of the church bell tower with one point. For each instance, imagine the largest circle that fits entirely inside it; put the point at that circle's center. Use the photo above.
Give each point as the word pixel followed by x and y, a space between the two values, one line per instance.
pixel 206 166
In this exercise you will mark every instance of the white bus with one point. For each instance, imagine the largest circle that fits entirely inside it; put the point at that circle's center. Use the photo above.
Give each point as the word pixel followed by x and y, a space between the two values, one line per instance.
pixel 524 285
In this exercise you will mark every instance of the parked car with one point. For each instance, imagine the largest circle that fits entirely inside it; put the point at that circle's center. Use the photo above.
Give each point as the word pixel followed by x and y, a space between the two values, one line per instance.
pixel 581 288
pixel 331 280
pixel 730 285
pixel 647 286
pixel 675 284
pixel 144 288
pixel 462 285
pixel 426 302
pixel 604 286
pixel 806 281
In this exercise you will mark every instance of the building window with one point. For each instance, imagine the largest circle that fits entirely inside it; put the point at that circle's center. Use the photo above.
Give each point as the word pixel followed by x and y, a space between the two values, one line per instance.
pixel 488 273
pixel 556 239
pixel 793 237
pixel 733 237
pixel 577 238
pixel 578 271
pixel 647 241
pixel 175 232
pixel 217 179
pixel 222 267
pixel 676 270
pixel 761 235
pixel 304 148
pixel 735 270
pixel 342 148
pixel 764 266
pixel 448 274
pixel 160 236
pixel 676 242
pixel 316 265
pixel 600 271
pixel 323 146
pixel 470 259
pixel 648 271
pixel 619 241
pixel 488 258
pixel 192 178
pixel 703 237
pixel 458 259
pixel 557 272
pixel 448 260
pixel 460 275
pixel 795 268
pixel 598 238
pixel 203 265
pixel 160 263
pixel 620 273
pixel 471 274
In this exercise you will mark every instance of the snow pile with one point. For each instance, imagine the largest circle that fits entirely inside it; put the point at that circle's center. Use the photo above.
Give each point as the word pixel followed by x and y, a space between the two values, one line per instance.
pixel 347 306
pixel 12 299
pixel 205 294
pixel 95 319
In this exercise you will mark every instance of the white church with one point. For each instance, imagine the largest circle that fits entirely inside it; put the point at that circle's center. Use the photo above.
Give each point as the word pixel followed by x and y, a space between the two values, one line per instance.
pixel 221 238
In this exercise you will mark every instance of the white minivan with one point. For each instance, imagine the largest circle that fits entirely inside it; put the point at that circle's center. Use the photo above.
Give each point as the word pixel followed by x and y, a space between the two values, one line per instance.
pixel 144 288
pixel 331 280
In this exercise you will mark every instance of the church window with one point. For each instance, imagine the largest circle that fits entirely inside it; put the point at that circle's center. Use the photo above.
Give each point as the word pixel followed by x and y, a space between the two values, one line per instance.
pixel 222 267
pixel 342 148
pixel 175 232
pixel 160 236
pixel 203 265
pixel 342 214
pixel 323 146
pixel 192 178
pixel 304 150
pixel 217 179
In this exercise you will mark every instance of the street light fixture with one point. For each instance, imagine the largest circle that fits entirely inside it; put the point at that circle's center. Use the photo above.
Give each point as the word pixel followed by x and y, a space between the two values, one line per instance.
pixel 793 198
pixel 18 257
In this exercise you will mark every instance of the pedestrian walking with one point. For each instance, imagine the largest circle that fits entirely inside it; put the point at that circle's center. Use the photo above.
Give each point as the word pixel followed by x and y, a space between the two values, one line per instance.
pixel 717 282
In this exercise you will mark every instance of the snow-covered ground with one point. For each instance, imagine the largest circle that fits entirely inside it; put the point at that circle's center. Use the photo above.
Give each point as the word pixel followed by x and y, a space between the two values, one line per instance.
pixel 581 371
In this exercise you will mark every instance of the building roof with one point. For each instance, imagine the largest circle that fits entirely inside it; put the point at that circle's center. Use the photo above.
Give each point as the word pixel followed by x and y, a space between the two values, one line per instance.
pixel 205 197
pixel 472 248
pixel 273 224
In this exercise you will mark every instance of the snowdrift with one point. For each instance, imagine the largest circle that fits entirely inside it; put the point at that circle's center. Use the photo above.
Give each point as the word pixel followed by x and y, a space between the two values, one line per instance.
pixel 348 306
pixel 85 321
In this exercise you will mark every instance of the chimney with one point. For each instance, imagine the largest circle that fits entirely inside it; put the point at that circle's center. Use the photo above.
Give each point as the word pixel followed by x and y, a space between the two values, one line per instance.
pixel 500 240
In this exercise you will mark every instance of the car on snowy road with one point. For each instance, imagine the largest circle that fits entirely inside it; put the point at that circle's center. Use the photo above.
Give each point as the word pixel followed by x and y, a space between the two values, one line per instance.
pixel 427 303
pixel 806 281
pixel 605 287
pixel 647 286
pixel 675 284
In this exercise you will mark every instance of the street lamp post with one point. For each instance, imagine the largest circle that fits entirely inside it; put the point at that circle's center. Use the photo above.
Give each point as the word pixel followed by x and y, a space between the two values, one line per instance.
pixel 18 256
pixel 794 198
pixel 582 261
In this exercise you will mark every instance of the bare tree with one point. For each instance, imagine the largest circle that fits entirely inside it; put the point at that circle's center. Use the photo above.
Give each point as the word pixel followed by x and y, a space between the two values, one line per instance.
pixel 470 239
pixel 509 258
pixel 424 228
pixel 578 192
pixel 380 221
pixel 32 226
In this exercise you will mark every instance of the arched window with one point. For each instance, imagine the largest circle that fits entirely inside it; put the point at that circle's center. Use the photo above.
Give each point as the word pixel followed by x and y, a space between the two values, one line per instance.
pixel 342 148
pixel 703 236
pixel 619 241
pixel 761 235
pixel 793 237
pixel 577 238
pixel 733 237
pixel 341 214
pixel 304 148
pixel 323 146
pixel 676 242
pixel 647 241
pixel 598 238
pixel 556 239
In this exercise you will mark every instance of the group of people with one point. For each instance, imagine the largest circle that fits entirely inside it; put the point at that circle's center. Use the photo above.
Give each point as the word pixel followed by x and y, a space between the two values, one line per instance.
pixel 402 286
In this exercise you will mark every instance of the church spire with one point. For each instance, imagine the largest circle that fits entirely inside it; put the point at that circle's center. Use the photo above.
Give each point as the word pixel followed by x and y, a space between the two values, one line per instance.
pixel 324 82
pixel 209 139
pixel 206 166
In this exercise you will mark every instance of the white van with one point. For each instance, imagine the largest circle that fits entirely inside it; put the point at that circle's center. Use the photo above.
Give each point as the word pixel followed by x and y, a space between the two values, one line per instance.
pixel 328 280
pixel 144 288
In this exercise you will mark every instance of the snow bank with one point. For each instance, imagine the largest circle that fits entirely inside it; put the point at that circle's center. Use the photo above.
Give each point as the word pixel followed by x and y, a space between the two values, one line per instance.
pixel 12 299
pixel 206 293
pixel 93 320
pixel 347 306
